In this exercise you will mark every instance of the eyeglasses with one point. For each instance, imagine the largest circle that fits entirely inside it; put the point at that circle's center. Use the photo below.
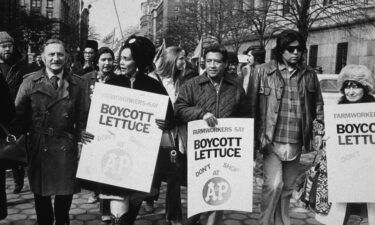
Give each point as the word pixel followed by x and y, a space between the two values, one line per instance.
pixel 291 49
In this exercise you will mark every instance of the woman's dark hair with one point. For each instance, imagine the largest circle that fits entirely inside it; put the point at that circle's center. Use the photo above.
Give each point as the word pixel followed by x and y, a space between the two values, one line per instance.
pixel 258 52
pixel 219 49
pixel 284 39
pixel 232 58
pixel 104 50
pixel 367 97
pixel 142 50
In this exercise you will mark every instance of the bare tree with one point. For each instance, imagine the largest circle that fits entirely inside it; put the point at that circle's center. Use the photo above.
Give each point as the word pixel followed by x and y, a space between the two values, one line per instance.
pixel 130 30
pixel 307 14
pixel 93 34
pixel 219 21
pixel 260 21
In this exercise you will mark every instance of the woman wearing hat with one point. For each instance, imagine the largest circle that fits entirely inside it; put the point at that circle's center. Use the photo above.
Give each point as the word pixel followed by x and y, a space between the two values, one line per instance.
pixel 356 84
pixel 136 57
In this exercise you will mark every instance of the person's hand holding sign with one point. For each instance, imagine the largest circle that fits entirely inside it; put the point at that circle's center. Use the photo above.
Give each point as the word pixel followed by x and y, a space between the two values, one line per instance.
pixel 210 119
pixel 163 124
pixel 86 137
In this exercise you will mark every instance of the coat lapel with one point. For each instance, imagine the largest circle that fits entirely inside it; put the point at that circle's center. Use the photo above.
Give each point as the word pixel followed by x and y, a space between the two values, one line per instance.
pixel 63 92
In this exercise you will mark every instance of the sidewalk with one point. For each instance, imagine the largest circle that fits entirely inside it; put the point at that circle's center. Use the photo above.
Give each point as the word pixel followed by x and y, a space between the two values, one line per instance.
pixel 21 209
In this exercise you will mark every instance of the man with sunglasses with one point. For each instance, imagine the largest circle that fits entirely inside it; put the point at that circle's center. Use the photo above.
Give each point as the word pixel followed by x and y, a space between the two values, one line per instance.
pixel 286 99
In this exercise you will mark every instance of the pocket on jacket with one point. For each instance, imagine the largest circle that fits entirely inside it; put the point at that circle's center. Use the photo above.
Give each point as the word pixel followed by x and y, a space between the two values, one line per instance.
pixel 264 91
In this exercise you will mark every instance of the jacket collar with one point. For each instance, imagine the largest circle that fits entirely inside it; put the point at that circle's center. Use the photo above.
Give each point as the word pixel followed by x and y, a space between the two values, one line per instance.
pixel 273 66
pixel 227 78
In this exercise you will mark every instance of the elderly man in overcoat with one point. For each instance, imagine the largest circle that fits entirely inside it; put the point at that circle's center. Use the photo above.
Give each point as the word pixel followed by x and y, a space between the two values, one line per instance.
pixel 48 106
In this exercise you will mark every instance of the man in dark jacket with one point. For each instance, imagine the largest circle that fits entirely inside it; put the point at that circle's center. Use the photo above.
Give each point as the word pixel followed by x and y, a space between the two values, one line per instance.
pixel 256 55
pixel 49 107
pixel 12 69
pixel 215 94
pixel 286 99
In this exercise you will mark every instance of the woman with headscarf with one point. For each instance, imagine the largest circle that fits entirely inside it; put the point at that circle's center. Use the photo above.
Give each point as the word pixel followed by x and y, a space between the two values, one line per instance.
pixel 136 57
pixel 356 83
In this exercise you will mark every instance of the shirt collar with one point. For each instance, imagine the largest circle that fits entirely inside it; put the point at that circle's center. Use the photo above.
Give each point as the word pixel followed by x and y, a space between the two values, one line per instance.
pixel 50 74
pixel 283 67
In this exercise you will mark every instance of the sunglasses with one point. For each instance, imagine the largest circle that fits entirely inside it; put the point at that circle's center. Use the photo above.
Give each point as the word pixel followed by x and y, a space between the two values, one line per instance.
pixel 291 49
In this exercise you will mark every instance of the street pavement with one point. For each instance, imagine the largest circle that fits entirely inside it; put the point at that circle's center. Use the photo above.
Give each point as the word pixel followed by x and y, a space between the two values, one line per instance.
pixel 21 208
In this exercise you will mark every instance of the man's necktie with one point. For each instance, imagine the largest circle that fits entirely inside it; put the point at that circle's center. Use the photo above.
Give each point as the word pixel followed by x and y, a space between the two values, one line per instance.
pixel 54 81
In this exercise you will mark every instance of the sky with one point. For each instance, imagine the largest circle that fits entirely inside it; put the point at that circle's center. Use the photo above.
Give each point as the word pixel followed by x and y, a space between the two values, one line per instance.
pixel 103 15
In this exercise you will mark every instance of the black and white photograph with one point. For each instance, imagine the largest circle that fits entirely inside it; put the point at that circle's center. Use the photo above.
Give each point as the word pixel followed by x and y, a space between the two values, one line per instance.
pixel 187 112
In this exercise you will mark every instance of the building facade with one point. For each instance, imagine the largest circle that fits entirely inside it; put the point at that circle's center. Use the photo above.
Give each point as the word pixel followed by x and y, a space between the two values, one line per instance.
pixel 31 22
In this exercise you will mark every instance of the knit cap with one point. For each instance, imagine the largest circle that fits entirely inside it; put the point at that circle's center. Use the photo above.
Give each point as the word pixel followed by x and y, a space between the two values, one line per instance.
pixel 358 73
pixel 5 37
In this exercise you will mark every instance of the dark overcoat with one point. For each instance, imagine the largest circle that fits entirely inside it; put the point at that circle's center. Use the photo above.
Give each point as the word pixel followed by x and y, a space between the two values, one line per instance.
pixel 54 120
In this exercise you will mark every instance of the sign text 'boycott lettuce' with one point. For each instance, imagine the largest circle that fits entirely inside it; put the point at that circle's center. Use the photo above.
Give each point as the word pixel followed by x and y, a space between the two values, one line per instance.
pixel 217 147
pixel 125 118
pixel 356 133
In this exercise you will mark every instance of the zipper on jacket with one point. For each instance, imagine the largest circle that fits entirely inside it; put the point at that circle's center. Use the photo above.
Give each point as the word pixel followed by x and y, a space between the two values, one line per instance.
pixel 218 98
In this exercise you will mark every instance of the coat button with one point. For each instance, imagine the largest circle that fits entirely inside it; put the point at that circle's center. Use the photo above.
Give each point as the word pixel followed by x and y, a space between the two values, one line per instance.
pixel 45 149
pixel 63 148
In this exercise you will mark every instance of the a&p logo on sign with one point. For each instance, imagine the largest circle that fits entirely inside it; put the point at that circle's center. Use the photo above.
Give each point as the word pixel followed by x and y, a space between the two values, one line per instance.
pixel 115 163
pixel 216 191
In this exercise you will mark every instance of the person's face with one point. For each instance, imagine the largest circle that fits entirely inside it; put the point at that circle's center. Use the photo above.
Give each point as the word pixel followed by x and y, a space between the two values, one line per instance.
pixel 250 58
pixel 202 64
pixel 38 58
pixel 88 54
pixel 232 69
pixel 215 66
pixel 6 50
pixel 105 63
pixel 54 57
pixel 292 54
pixel 127 63
pixel 181 61
pixel 353 93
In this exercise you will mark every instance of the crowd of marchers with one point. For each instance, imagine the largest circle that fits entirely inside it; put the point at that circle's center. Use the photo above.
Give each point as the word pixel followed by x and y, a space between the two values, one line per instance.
pixel 49 101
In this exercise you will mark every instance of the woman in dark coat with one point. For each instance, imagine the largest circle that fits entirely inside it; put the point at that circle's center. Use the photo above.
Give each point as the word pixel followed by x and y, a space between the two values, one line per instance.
pixel 7 113
pixel 136 57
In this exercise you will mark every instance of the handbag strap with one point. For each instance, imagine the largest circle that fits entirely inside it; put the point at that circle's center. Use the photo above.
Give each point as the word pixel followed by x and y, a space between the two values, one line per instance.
pixel 9 137
pixel 171 138
pixel 6 131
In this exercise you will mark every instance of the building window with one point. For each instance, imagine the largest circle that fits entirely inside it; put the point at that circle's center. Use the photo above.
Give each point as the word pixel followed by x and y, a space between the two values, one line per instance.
pixel 22 3
pixel 341 56
pixel 49 14
pixel 36 3
pixel 313 56
pixel 49 3
pixel 286 7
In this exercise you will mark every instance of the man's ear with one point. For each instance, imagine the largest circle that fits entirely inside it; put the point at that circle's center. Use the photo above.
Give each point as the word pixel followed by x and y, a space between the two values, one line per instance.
pixel 43 57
